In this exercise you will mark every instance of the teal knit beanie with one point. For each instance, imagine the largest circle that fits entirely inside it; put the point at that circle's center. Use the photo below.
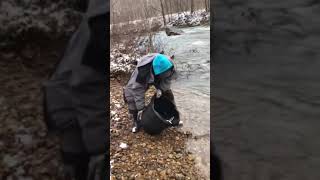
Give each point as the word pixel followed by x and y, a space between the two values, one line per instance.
pixel 161 63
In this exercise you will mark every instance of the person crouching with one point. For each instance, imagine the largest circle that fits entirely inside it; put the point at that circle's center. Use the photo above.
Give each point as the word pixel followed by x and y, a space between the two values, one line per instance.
pixel 152 69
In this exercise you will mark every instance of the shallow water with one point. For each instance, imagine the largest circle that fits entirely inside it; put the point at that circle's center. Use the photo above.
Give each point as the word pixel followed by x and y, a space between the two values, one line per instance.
pixel 192 87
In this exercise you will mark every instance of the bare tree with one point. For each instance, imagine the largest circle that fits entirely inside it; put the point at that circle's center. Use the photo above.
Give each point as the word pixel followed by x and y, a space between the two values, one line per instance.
pixel 191 6
pixel 166 8
pixel 163 14
pixel 180 9
pixel 207 5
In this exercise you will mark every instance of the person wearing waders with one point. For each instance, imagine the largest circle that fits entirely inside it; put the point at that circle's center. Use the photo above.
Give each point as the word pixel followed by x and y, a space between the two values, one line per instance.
pixel 75 96
pixel 153 69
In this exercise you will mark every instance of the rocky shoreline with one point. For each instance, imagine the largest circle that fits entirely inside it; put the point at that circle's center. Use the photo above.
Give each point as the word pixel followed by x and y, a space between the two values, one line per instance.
pixel 141 156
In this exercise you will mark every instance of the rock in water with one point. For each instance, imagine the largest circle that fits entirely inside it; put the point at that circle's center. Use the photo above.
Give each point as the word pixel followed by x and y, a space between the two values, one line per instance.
pixel 173 31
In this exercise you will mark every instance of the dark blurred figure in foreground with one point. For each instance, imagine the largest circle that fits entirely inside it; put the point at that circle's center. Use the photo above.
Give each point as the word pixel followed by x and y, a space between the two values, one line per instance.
pixel 76 94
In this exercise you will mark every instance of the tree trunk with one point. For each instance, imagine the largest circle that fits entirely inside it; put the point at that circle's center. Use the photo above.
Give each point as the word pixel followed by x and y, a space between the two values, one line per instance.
pixel 205 5
pixel 151 43
pixel 163 14
pixel 169 11
pixel 191 7
pixel 166 8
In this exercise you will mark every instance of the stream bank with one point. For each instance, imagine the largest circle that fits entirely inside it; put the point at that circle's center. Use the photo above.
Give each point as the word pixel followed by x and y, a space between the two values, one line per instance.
pixel 146 157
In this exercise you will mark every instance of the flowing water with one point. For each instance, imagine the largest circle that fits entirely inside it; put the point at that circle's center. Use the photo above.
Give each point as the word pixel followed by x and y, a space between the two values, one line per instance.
pixel 192 87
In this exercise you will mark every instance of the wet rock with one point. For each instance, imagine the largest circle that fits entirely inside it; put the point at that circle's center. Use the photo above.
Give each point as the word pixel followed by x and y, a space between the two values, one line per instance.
pixel 138 176
pixel 178 156
pixel 191 158
pixel 178 150
pixel 188 133
pixel 25 139
pixel 151 173
pixel 171 31
pixel 10 161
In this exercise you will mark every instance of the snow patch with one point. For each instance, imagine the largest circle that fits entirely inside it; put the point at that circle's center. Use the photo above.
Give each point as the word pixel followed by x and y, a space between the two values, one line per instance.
pixel 123 146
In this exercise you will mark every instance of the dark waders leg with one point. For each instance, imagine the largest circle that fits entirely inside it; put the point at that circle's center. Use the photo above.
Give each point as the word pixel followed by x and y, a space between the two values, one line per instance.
pixel 136 123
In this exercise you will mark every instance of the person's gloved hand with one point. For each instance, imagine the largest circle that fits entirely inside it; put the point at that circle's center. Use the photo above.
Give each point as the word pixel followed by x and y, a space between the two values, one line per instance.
pixel 159 93
pixel 140 114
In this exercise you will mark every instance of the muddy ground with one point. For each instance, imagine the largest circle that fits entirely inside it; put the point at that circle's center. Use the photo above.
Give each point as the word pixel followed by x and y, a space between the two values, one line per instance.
pixel 27 152
pixel 146 157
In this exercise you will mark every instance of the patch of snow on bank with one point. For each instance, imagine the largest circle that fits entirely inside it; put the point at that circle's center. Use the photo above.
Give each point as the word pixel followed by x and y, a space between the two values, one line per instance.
pixel 121 63
pixel 181 19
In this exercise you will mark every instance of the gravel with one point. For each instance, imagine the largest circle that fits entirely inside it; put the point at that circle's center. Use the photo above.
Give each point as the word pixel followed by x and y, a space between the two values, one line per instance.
pixel 26 151
pixel 147 157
